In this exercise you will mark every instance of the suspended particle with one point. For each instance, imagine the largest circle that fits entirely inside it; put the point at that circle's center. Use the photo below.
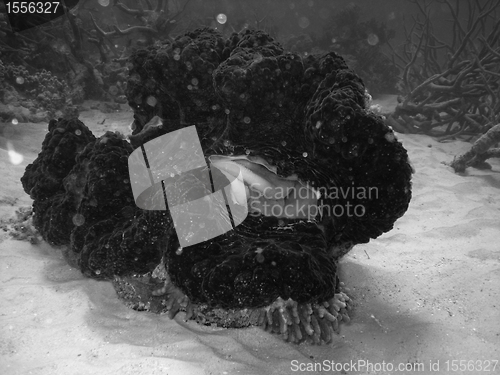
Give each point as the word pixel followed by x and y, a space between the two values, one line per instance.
pixel 227 143
pixel 177 57
pixel 372 39
pixel 78 219
pixel 310 3
pixel 344 139
pixel 113 90
pixel 14 157
pixel 226 111
pixel 179 251
pixel 318 124
pixel 246 120
pixel 78 132
pixel 103 3
pixel 14 121
pixel 221 18
pixel 331 140
pixel 151 100
pixel 194 81
pixel 304 22
pixel 19 80
pixel 334 40
pixel 189 87
pixel 247 151
pixel 391 16
pixel 283 143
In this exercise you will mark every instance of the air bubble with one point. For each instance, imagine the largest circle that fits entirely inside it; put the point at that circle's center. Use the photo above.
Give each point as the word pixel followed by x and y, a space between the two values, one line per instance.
pixel 98 272
pixel 14 157
pixel 283 143
pixel 226 111
pixel 151 100
pixel 304 154
pixel 78 132
pixel 319 124
pixel 247 152
pixel 78 219
pixel 372 39
pixel 190 87
pixel 14 121
pixel 194 81
pixel 177 57
pixel 246 120
pixel 19 80
pixel 179 250
pixel 331 140
pixel 113 90
pixel 104 3
pixel 304 22
pixel 344 139
pixel 227 143
pixel 221 18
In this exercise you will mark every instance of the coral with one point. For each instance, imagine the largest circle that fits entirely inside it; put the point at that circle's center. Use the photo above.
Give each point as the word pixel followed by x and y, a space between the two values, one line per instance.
pixel 50 92
pixel 480 151
pixel 301 123
pixel 449 88
pixel 21 227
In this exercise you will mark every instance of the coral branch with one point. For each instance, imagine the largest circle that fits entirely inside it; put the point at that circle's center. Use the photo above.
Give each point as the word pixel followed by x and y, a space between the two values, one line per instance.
pixel 479 151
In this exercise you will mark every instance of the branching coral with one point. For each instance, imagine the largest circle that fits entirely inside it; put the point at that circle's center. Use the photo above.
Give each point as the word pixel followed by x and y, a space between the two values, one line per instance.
pixel 299 123
pixel 480 151
pixel 451 86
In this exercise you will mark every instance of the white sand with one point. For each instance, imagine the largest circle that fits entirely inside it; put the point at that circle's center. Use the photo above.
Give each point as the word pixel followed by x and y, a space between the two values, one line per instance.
pixel 427 291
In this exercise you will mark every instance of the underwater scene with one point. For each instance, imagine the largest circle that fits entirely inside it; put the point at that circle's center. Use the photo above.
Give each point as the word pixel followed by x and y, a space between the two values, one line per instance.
pixel 249 187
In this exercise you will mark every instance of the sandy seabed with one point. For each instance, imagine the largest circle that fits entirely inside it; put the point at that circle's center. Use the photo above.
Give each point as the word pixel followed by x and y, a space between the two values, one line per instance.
pixel 427 294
